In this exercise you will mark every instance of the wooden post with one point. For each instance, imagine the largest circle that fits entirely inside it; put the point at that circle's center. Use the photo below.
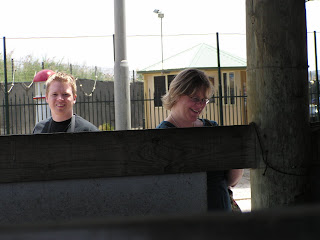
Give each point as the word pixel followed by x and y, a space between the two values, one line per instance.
pixel 277 78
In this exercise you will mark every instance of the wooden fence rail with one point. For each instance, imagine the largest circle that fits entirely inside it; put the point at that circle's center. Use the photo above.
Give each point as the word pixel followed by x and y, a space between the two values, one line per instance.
pixel 126 153
pixel 73 176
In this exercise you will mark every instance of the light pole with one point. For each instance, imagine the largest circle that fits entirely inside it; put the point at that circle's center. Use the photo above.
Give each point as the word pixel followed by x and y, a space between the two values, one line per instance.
pixel 160 15
pixel 121 69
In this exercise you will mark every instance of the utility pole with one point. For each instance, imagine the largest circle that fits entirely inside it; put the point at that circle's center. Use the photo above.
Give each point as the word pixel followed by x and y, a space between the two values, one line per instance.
pixel 121 69
pixel 161 16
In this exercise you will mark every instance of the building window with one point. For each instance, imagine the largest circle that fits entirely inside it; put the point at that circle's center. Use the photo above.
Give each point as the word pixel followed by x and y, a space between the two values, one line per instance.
pixel 159 90
pixel 211 79
pixel 225 87
pixel 161 86
pixel 231 86
pixel 212 100
pixel 228 85
pixel 170 78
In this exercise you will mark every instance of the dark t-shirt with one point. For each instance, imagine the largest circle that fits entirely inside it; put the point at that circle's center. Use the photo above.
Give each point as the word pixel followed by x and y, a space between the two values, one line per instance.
pixel 217 189
pixel 59 126
pixel 50 126
pixel 206 123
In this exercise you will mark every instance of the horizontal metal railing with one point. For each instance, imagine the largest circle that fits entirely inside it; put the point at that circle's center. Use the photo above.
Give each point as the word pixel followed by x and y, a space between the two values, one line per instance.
pixel 234 110
pixel 98 109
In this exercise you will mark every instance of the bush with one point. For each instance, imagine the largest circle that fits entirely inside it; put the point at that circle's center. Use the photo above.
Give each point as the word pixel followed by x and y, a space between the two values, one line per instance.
pixel 106 127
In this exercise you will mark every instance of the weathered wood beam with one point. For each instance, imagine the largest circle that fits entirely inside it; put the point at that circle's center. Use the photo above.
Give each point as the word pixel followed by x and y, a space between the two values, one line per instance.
pixel 126 153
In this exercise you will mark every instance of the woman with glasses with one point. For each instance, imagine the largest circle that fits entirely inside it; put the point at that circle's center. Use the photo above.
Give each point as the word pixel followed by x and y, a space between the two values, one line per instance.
pixel 188 95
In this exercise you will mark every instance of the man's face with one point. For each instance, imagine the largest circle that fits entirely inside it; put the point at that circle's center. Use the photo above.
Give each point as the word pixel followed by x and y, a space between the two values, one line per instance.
pixel 61 100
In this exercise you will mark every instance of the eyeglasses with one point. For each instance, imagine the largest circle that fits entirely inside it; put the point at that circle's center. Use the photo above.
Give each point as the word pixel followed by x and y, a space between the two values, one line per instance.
pixel 201 101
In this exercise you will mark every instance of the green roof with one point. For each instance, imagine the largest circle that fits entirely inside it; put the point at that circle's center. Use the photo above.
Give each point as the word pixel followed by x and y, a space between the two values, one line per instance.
pixel 199 56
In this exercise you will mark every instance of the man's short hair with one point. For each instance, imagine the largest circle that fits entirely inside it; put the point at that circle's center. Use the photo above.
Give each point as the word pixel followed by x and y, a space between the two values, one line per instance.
pixel 64 78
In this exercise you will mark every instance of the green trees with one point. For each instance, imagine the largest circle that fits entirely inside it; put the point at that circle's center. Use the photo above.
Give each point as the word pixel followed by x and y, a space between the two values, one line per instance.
pixel 24 69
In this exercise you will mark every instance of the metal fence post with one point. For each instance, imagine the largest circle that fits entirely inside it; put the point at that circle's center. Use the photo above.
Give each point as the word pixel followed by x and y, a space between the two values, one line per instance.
pixel 317 77
pixel 220 85
pixel 5 86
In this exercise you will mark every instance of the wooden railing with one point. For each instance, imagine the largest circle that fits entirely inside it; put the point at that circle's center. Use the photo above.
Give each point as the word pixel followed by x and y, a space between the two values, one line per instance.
pixel 43 176
pixel 126 153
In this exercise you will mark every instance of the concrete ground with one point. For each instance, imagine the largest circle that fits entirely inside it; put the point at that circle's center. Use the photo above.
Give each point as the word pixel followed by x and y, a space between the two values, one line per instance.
pixel 242 192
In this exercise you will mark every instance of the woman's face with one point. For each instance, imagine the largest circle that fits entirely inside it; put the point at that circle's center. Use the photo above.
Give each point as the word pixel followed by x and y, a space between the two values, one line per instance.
pixel 190 107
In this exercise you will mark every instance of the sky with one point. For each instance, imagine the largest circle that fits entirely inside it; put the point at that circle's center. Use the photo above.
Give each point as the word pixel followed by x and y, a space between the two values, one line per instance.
pixel 80 32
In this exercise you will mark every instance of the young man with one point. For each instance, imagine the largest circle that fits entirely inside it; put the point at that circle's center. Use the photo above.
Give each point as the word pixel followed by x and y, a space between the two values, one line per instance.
pixel 61 94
